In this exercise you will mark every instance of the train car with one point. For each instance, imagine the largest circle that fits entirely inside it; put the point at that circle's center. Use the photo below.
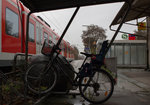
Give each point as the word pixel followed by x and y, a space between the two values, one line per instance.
pixel 13 32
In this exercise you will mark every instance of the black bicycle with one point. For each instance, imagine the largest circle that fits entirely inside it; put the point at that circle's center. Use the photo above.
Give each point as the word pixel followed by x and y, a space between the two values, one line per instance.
pixel 95 84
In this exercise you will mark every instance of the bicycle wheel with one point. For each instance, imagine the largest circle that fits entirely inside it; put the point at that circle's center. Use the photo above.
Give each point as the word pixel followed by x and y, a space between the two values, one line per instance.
pixel 98 88
pixel 39 82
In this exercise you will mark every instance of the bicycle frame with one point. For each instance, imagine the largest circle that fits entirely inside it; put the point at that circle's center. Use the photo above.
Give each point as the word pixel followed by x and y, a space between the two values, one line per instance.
pixel 74 82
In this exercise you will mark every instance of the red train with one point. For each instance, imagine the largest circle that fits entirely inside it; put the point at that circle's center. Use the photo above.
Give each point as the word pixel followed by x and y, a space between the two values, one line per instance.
pixel 13 32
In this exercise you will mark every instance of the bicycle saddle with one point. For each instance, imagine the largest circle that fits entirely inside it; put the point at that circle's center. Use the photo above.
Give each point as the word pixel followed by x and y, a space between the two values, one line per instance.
pixel 86 54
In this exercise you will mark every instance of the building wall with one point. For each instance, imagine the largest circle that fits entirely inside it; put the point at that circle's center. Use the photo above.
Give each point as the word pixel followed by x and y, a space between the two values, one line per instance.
pixel 129 53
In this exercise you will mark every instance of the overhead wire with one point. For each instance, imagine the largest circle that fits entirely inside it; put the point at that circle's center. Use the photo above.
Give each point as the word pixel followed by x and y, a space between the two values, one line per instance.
pixel 56 25
pixel 68 37
pixel 51 21
pixel 55 20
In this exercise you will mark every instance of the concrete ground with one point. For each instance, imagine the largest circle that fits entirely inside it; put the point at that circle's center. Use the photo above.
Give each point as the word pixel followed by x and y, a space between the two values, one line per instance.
pixel 133 88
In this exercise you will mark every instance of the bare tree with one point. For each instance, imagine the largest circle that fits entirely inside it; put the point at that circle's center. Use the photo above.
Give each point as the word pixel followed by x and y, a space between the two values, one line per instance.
pixel 91 35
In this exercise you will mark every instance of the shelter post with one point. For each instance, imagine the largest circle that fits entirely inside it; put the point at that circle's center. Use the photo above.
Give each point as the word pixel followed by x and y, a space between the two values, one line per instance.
pixel 27 39
pixel 67 27
pixel 119 27
pixel 147 42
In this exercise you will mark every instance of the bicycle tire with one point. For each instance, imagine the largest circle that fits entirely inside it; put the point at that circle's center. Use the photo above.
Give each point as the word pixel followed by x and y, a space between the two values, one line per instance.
pixel 99 95
pixel 37 82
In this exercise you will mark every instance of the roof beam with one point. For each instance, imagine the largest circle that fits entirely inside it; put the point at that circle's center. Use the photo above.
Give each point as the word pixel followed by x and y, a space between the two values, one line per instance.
pixel 46 5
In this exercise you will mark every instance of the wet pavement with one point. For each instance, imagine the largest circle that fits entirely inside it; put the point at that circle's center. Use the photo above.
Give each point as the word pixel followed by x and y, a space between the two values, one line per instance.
pixel 133 88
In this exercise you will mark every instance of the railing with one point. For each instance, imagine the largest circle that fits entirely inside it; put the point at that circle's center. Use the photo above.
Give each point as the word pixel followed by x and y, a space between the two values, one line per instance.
pixel 15 59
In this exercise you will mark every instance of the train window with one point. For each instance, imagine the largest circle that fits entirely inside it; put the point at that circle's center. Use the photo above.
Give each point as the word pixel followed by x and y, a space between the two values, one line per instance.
pixel 41 34
pixel 12 23
pixel 31 32
pixel 37 35
pixel 50 38
pixel 54 37
pixel 45 35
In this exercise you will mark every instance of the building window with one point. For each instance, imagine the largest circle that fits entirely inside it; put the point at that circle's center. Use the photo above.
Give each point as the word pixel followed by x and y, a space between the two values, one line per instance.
pixel 12 23
pixel 31 32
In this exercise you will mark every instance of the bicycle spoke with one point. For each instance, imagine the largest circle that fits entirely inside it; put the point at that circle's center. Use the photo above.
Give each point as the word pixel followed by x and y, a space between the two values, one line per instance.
pixel 33 77
pixel 99 89
pixel 39 82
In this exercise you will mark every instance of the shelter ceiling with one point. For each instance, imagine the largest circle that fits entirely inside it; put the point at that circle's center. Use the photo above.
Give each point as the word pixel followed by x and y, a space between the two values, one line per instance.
pixel 139 9
pixel 46 5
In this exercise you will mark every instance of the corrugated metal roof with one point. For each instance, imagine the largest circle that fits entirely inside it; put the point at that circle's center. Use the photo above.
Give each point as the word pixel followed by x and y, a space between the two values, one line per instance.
pixel 139 8
pixel 45 5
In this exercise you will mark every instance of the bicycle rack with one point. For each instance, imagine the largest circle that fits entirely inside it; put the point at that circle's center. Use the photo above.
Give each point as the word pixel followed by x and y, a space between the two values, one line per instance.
pixel 15 59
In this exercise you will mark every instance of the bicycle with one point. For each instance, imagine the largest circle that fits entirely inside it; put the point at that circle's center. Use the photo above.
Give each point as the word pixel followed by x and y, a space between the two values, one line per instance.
pixel 95 85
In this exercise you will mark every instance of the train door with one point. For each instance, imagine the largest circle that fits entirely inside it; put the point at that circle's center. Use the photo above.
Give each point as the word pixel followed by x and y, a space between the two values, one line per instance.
pixel 32 32
pixel 32 37
pixel 38 38
pixel 54 38
pixel 11 28
pixel 50 35
pixel 45 34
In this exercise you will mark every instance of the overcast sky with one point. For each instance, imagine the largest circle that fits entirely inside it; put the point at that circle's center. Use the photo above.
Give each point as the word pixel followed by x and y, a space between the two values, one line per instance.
pixel 101 15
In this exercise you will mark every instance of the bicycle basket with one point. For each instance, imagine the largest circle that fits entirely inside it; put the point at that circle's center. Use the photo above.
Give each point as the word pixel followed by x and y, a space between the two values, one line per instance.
pixel 47 47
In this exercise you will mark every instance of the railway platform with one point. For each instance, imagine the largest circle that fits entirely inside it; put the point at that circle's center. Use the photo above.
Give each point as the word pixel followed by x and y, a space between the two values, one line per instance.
pixel 133 87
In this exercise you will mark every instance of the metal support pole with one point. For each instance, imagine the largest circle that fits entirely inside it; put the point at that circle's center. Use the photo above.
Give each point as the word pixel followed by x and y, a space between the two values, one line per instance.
pixel 27 39
pixel 147 46
pixel 67 27
pixel 119 27
pixel 26 52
